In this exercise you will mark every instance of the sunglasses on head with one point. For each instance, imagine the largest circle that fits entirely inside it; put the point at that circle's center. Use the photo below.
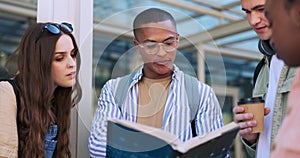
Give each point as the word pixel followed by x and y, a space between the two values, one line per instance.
pixel 56 28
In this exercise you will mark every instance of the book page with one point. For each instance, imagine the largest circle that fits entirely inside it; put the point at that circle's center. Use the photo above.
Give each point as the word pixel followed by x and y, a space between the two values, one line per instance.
pixel 156 132
pixel 196 141
pixel 215 142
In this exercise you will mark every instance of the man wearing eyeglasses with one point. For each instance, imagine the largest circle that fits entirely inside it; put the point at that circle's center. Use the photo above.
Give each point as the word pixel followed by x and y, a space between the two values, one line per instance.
pixel 156 95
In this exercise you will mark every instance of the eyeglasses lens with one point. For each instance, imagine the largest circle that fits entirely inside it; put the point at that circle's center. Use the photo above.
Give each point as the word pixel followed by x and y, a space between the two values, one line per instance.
pixel 153 48
pixel 67 27
pixel 55 28
pixel 52 28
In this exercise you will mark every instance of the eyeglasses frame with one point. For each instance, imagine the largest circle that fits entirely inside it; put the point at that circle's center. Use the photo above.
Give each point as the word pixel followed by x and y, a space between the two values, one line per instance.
pixel 159 44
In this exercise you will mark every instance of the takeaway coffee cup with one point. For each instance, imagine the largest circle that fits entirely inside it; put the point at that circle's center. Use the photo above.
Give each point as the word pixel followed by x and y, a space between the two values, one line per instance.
pixel 255 106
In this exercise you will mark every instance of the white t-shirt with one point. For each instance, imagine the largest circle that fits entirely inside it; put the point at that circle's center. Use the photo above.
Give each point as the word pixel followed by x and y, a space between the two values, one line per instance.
pixel 263 147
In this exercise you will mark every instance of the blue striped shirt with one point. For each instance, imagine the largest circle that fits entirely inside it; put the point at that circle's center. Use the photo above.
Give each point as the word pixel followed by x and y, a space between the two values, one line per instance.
pixel 176 118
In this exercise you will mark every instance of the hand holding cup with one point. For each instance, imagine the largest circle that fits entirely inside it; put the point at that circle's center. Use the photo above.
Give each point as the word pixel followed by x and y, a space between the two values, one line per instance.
pixel 256 107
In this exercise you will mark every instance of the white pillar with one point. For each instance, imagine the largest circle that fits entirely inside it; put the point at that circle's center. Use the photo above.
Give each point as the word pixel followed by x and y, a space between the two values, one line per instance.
pixel 80 14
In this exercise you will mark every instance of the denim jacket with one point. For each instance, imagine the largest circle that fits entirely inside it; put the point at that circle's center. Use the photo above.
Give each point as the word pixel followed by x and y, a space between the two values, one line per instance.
pixel 287 76
pixel 50 141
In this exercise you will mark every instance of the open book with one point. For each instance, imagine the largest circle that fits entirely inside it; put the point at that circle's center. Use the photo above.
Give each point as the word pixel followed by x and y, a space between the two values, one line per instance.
pixel 127 139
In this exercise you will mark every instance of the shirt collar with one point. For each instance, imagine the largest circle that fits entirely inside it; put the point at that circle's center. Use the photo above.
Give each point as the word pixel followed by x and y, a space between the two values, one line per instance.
pixel 138 75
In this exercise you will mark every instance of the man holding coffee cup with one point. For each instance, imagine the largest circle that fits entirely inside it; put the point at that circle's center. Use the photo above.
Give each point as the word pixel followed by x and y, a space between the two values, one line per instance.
pixel 273 84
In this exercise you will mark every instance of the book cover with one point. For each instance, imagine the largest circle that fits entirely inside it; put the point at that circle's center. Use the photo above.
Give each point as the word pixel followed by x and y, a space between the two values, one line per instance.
pixel 132 140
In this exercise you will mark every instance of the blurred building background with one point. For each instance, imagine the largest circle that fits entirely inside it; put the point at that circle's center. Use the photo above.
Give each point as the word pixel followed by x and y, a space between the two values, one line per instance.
pixel 216 44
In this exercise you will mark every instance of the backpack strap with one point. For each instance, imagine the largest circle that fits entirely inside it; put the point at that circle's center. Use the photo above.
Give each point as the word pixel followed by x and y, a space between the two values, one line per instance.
pixel 122 89
pixel 16 91
pixel 257 70
pixel 192 92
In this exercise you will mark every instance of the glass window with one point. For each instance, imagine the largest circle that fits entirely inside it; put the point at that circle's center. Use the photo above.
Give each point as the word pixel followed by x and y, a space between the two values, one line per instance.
pixel 11 31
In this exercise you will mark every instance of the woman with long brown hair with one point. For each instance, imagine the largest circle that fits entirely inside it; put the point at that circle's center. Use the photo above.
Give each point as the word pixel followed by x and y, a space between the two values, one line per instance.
pixel 37 122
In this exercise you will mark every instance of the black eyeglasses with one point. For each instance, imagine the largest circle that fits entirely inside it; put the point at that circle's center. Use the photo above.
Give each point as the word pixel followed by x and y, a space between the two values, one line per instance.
pixel 55 28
